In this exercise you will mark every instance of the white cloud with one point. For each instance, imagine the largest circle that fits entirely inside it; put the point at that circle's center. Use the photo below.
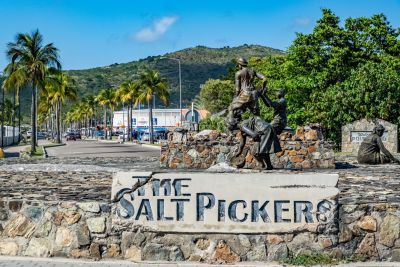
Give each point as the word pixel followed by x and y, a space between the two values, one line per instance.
pixel 156 30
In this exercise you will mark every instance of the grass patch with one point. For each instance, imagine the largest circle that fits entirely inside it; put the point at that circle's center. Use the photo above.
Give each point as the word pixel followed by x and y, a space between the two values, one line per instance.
pixel 309 260
pixel 320 259
pixel 27 153
pixel 38 153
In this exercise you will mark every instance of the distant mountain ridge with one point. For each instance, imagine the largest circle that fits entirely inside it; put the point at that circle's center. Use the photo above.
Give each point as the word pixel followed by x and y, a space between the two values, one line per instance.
pixel 198 64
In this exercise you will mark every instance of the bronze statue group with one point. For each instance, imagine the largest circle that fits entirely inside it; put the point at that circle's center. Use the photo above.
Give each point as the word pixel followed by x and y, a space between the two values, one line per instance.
pixel 265 135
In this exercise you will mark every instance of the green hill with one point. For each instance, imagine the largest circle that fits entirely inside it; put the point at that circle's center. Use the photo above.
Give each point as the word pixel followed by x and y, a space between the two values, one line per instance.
pixel 198 64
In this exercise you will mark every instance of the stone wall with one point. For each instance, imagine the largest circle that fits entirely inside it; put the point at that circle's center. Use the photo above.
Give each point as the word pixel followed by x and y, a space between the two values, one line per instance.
pixel 305 149
pixel 70 224
pixel 354 133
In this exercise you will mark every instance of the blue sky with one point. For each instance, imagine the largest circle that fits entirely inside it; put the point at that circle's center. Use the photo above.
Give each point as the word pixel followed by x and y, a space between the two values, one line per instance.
pixel 92 33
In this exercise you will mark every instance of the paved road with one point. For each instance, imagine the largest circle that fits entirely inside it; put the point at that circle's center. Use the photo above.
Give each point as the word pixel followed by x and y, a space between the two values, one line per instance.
pixel 58 262
pixel 88 149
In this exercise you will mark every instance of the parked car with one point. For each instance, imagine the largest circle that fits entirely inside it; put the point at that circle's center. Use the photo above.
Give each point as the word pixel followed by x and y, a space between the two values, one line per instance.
pixel 78 135
pixel 41 135
pixel 100 133
pixel 70 136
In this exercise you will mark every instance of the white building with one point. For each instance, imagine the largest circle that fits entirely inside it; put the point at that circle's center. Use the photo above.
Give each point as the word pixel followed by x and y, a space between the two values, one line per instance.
pixel 161 117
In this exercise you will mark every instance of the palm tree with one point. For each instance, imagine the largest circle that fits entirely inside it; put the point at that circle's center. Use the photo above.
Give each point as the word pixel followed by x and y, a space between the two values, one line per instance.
pixel 152 84
pixel 58 90
pixel 91 103
pixel 107 98
pixel 7 111
pixel 44 111
pixel 31 60
pixel 15 81
pixel 128 93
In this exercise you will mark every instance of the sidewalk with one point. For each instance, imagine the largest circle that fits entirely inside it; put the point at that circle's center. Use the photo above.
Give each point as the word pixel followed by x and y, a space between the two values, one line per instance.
pixel 13 151
pixel 61 262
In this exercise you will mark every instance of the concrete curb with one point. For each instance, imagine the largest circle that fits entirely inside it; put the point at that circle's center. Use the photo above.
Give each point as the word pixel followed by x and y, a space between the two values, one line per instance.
pixel 30 261
pixel 45 155
pixel 151 146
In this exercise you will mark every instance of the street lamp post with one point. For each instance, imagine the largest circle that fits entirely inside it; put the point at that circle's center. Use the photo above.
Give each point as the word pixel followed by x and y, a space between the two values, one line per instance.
pixel 180 84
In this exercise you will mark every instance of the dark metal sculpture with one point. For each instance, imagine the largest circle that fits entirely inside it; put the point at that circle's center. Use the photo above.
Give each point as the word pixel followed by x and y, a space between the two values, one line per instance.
pixel 263 134
pixel 372 150
pixel 265 139
pixel 246 95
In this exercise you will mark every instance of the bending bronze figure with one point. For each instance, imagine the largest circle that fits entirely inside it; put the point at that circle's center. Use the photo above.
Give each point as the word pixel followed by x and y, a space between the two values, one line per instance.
pixel 372 150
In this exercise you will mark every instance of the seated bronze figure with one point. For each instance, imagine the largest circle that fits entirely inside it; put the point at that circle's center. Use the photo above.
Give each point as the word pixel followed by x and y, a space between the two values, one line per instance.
pixel 372 150
pixel 265 142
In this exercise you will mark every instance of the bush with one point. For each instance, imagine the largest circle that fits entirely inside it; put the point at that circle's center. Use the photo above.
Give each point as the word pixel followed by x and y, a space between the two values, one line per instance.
pixel 212 123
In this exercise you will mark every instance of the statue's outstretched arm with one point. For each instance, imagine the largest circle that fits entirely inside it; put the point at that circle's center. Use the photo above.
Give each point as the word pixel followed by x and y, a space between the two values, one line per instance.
pixel 386 152
pixel 268 102
pixel 249 131
pixel 262 77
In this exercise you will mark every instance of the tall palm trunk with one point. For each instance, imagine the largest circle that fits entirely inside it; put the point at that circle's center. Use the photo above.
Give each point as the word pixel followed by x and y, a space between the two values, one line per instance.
pixel 105 122
pixel 36 114
pixel 112 122
pixel 13 117
pixel 150 123
pixel 58 119
pixel 86 125
pixel 130 121
pixel 33 118
pixel 19 116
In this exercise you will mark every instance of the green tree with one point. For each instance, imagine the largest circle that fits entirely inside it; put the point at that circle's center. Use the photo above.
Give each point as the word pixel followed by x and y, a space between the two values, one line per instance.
pixel 31 61
pixel 107 98
pixel 128 92
pixel 371 91
pixel 152 84
pixel 323 72
pixel 14 81
pixel 217 95
pixel 326 57
pixel 59 90
pixel 91 109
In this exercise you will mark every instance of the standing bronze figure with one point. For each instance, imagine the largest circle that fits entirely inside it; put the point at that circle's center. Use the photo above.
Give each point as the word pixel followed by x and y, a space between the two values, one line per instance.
pixel 246 95
pixel 371 148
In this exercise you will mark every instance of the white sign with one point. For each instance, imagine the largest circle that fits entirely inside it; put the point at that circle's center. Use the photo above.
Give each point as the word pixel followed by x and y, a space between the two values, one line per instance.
pixel 224 203
pixel 358 137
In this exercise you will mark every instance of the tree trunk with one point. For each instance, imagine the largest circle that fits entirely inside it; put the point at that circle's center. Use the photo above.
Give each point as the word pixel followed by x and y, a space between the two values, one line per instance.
pixel 86 126
pixel 105 122
pixel 150 123
pixel 13 118
pixel 36 114
pixel 111 120
pixel 58 120
pixel 33 118
pixel 129 122
pixel 19 117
